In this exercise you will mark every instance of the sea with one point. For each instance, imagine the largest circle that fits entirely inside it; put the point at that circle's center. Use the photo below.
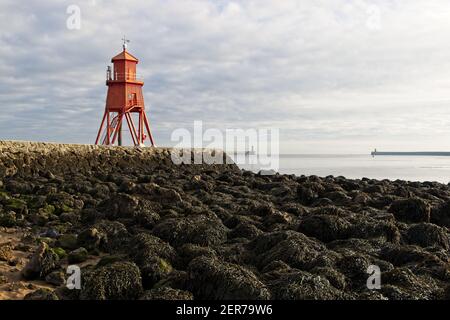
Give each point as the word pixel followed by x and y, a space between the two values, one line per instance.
pixel 357 166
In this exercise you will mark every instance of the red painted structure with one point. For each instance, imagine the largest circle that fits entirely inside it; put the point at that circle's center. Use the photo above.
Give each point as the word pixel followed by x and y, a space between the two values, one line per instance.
pixel 124 100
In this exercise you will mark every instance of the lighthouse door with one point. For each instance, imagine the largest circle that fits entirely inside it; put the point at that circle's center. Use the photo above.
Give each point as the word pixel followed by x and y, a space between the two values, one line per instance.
pixel 132 100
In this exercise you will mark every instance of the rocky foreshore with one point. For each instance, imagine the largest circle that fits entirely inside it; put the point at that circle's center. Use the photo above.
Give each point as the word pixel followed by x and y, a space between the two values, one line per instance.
pixel 141 227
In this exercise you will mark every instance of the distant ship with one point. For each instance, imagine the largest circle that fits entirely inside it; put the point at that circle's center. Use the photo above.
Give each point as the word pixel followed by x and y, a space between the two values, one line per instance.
pixel 410 153
pixel 251 152
pixel 247 153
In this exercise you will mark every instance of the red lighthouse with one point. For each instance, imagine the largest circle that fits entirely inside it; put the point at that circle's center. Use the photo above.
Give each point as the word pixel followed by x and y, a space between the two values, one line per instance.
pixel 124 100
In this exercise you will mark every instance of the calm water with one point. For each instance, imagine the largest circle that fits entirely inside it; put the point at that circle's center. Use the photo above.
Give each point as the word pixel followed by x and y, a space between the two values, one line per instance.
pixel 410 168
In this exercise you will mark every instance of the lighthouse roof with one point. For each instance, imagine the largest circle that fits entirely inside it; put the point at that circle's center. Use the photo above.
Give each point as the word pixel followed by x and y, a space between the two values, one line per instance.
pixel 124 55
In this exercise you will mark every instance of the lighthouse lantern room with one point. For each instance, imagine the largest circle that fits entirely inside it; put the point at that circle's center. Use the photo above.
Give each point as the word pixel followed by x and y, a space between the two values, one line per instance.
pixel 124 102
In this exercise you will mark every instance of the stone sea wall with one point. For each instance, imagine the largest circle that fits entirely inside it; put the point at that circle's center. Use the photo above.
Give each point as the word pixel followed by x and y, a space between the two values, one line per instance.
pixel 30 158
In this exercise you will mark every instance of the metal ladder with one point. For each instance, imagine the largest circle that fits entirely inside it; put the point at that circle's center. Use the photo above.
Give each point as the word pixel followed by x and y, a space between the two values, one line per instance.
pixel 111 130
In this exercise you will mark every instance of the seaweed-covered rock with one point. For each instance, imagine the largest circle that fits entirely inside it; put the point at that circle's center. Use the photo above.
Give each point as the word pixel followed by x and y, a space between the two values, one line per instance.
pixel 197 229
pixel 146 247
pixel 91 238
pixel 210 278
pixel 115 237
pixel 190 251
pixel 154 270
pixel 43 261
pixel 403 284
pixel 427 234
pixel 354 267
pixel 245 230
pixel 110 259
pixel 56 278
pixel 119 205
pixel 300 285
pixel 8 219
pixel 41 294
pixel 165 293
pixel 446 293
pixel 77 256
pixel 369 228
pixel 411 210
pixel 117 281
pixel 402 255
pixel 324 227
pixel 17 186
pixel 440 215
pixel 335 278
pixel 306 195
pixel 68 241
pixel 338 197
pixel 293 248
pixel 6 252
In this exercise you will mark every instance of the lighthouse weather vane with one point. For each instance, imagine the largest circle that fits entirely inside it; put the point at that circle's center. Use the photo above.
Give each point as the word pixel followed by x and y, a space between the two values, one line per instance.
pixel 125 42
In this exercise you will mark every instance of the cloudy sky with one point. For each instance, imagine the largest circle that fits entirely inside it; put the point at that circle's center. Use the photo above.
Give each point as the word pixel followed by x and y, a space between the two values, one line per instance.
pixel 333 75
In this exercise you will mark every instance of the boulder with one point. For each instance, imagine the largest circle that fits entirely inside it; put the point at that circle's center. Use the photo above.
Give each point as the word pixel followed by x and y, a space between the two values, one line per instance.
pixel 245 230
pixel 306 195
pixel 68 241
pixel 368 228
pixel 338 197
pixel 77 256
pixel 91 238
pixel 293 248
pixel 41 294
pixel 336 278
pixel 402 255
pixel 18 206
pixel 300 285
pixel 154 270
pixel 403 284
pixel 212 279
pixel 411 210
pixel 6 252
pixel 120 205
pixel 56 278
pixel 197 229
pixel 117 281
pixel 427 235
pixel 166 293
pixel 354 267
pixel 8 219
pixel 324 227
pixel 42 262
pixel 190 251
pixel 115 237
pixel 147 247
pixel 17 186
pixel 440 215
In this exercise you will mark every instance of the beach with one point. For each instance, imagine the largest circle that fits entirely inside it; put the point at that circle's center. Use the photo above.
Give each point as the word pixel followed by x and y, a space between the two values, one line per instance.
pixel 141 227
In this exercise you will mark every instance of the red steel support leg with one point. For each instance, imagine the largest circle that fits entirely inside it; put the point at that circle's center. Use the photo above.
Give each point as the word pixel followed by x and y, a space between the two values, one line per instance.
pixel 101 128
pixel 132 130
pixel 108 133
pixel 148 128
pixel 140 129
